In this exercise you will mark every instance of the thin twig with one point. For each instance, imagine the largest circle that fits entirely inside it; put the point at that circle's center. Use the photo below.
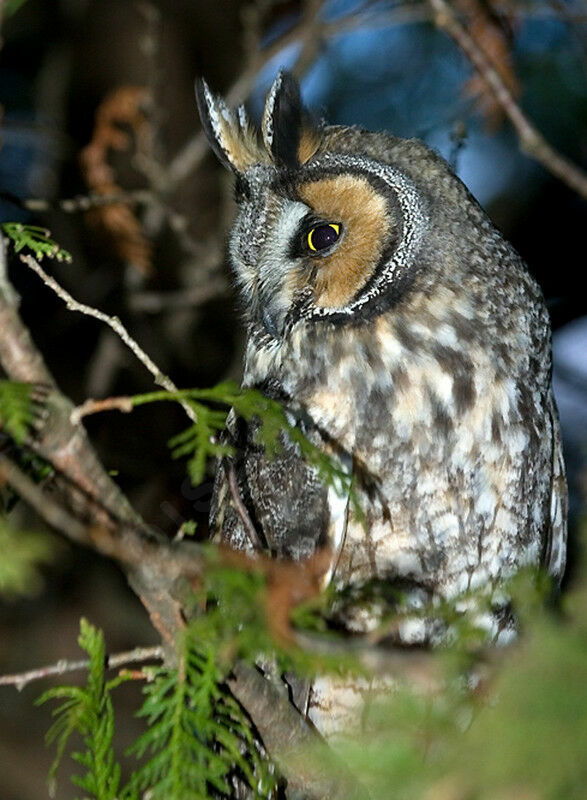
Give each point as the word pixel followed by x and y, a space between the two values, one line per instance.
pixel 241 510
pixel 82 202
pixel 135 656
pixel 113 322
pixel 532 142
pixel 88 407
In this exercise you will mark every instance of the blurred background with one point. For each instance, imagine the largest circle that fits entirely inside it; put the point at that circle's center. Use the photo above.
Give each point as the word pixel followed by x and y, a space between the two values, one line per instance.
pixel 97 106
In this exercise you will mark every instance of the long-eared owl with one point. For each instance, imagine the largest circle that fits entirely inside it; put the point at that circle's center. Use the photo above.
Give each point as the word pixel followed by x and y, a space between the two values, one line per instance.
pixel 406 337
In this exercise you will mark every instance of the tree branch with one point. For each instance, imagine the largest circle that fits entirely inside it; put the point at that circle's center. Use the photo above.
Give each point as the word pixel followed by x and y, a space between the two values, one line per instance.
pixel 64 445
pixel 290 738
pixel 532 142
pixel 18 355
pixel 135 656
pixel 80 203
pixel 149 302
pixel 113 322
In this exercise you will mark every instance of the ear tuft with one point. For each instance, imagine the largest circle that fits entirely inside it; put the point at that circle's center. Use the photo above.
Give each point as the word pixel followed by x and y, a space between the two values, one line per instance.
pixel 230 134
pixel 288 131
pixel 210 118
pixel 290 136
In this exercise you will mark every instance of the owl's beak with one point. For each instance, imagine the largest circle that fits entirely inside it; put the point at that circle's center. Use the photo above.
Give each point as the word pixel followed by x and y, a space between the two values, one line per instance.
pixel 276 314
pixel 272 309
pixel 274 301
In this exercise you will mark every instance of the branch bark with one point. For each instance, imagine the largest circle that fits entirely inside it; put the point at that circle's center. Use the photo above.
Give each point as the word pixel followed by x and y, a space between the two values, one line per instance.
pixel 300 753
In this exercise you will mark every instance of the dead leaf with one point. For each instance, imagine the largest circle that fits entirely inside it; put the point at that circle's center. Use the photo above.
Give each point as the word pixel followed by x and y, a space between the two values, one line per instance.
pixel 289 583
pixel 124 106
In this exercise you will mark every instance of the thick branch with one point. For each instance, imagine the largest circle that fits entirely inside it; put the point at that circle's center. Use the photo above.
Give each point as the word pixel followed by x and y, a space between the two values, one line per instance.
pixel 18 355
pixel 532 141
pixel 57 440
pixel 300 753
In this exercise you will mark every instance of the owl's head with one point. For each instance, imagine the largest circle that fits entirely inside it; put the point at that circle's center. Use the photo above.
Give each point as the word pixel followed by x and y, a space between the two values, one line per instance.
pixel 334 222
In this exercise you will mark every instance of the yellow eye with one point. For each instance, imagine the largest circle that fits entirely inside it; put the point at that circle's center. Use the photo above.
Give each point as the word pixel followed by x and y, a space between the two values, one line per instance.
pixel 323 236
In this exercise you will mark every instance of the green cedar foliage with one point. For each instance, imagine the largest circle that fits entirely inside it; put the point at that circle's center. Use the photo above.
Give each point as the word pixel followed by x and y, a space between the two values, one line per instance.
pixel 198 736
pixel 199 441
pixel 23 553
pixel 18 409
pixel 236 622
pixel 88 711
pixel 34 238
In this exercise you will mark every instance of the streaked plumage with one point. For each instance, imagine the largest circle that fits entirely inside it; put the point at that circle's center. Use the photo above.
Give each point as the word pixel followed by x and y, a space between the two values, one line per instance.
pixel 415 347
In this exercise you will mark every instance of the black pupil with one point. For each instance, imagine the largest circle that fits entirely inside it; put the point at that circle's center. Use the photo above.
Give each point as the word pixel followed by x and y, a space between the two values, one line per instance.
pixel 323 236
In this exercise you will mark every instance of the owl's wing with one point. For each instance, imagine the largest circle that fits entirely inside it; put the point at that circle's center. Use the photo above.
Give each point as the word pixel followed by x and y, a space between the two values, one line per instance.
pixel 278 497
pixel 556 545
pixel 227 522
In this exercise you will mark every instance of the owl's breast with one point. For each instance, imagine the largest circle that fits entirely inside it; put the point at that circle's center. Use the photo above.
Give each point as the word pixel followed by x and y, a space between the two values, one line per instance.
pixel 446 430
pixel 456 436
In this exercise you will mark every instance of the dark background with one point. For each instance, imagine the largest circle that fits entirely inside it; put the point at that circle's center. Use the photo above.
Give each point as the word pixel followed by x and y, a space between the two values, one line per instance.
pixel 379 65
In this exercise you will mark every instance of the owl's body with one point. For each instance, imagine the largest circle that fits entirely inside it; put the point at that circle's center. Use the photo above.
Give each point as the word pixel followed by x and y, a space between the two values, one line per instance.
pixel 406 338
